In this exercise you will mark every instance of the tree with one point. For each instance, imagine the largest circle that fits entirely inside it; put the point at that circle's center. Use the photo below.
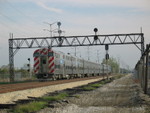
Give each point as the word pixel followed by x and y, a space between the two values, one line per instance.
pixel 4 69
pixel 113 63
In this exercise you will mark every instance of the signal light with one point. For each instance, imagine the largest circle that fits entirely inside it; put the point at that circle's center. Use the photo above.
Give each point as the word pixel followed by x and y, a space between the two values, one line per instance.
pixel 107 56
pixel 60 39
pixel 95 30
pixel 106 47
pixel 95 37
pixel 28 59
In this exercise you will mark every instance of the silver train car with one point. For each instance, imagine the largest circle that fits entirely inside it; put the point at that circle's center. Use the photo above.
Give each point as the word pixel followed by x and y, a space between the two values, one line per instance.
pixel 56 65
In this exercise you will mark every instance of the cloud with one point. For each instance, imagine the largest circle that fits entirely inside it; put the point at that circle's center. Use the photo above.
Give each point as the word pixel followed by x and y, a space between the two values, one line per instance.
pixel 139 5
pixel 142 5
pixel 56 10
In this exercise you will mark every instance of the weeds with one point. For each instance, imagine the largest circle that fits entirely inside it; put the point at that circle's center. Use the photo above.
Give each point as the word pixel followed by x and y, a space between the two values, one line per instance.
pixel 30 107
pixel 38 105
pixel 55 98
pixel 43 102
pixel 96 85
pixel 88 88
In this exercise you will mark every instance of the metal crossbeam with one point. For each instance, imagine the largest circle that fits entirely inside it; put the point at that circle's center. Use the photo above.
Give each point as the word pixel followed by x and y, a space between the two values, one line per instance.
pixel 114 39
pixel 66 41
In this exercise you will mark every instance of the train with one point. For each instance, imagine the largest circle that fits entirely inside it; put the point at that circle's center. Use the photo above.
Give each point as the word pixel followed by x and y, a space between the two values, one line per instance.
pixel 50 64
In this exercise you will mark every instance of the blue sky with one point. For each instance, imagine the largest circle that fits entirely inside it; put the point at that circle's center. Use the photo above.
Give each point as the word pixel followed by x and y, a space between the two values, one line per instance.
pixel 24 18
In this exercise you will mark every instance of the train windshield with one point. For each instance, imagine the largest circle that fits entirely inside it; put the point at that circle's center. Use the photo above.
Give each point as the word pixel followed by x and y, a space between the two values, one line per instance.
pixel 36 54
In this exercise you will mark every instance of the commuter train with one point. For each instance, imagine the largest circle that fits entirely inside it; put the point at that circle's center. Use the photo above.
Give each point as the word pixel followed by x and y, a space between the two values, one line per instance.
pixel 50 64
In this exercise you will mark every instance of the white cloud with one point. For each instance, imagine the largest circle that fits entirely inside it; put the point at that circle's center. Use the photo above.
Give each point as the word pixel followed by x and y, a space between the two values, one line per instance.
pixel 129 3
pixel 56 10
pixel 139 5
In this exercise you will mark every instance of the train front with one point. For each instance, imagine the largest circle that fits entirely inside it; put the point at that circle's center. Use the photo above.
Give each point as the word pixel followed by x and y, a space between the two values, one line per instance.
pixel 44 63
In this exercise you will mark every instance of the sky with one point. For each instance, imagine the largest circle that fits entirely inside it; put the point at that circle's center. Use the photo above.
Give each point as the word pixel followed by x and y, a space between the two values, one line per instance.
pixel 27 18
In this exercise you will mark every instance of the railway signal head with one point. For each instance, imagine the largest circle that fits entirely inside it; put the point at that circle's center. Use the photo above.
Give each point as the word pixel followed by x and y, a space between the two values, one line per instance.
pixel 28 59
pixel 107 56
pixel 106 47
pixel 95 37
pixel 28 70
pixel 59 23
pixel 28 65
pixel 95 30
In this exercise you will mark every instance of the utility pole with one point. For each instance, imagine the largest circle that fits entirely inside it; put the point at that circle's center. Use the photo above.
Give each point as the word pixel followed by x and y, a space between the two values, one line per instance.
pixel 51 30
pixel 107 57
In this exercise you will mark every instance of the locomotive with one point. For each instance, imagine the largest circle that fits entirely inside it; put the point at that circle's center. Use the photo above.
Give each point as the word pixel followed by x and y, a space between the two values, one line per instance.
pixel 50 64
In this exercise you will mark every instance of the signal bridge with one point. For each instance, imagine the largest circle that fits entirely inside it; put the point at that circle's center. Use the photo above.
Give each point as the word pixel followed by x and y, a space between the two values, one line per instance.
pixel 66 41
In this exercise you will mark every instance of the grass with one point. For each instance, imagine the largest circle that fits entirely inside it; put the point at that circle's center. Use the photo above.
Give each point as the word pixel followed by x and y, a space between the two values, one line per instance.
pixel 55 98
pixel 103 82
pixel 38 105
pixel 30 107
pixel 96 85
pixel 43 102
pixel 17 82
pixel 119 76
pixel 88 88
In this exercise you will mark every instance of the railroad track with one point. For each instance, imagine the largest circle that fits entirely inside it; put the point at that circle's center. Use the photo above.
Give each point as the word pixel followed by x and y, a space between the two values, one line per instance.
pixel 29 85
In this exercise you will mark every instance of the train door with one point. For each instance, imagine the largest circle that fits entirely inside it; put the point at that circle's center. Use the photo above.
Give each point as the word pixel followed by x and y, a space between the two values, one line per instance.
pixel 62 64
pixel 44 64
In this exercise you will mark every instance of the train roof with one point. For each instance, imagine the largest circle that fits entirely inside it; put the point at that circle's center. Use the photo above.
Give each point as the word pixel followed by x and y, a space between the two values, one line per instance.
pixel 41 51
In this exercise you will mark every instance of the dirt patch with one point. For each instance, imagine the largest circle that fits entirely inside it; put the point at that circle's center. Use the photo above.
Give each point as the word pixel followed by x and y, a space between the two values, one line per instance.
pixel 120 96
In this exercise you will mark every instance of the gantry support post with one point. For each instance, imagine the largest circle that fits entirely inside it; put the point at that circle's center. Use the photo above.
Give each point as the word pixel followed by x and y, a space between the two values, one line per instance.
pixel 146 69
pixel 11 61
pixel 142 43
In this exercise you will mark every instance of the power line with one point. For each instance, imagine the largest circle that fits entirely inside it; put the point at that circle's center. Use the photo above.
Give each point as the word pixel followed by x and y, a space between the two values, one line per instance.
pixel 23 30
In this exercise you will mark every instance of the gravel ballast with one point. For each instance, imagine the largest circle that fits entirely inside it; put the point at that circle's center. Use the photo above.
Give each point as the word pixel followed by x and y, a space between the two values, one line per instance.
pixel 119 96
pixel 9 98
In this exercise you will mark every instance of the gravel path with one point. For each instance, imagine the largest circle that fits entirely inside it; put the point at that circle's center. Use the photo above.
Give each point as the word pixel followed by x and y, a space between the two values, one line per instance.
pixel 8 98
pixel 120 96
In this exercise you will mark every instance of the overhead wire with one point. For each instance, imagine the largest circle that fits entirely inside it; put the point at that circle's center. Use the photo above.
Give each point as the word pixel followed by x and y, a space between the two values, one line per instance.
pixel 24 29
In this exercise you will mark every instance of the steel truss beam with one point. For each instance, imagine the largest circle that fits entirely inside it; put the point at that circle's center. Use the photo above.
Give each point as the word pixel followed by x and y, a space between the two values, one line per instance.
pixel 90 40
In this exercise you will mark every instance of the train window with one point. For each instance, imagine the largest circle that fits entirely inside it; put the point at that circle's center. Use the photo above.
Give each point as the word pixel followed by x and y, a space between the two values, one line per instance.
pixel 50 54
pixel 57 66
pixel 56 55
